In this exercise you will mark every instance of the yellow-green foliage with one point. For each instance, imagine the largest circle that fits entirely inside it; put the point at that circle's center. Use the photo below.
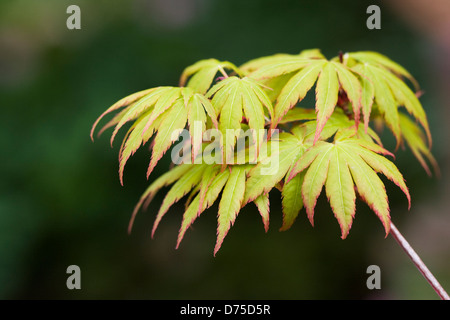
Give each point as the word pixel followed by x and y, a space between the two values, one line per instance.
pixel 331 145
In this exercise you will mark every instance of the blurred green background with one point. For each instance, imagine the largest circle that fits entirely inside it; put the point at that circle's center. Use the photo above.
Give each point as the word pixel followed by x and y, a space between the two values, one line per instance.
pixel 60 198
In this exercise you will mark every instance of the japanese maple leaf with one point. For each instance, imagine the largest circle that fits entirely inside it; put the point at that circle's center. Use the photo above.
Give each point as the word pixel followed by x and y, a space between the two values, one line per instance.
pixel 382 84
pixel 162 110
pixel 205 183
pixel 234 99
pixel 306 70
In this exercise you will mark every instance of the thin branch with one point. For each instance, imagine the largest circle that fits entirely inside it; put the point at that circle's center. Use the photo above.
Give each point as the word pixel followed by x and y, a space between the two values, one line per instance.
pixel 419 263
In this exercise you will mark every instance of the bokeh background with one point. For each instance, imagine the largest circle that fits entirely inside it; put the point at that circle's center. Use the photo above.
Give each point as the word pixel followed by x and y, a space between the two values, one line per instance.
pixel 60 198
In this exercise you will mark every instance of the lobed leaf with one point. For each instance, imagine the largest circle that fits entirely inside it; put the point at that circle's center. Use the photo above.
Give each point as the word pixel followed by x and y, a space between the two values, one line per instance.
pixel 367 93
pixel 164 180
pixel 133 140
pixel 327 90
pixel 375 58
pixel 280 67
pixel 340 166
pixel 303 163
pixel 296 89
pixel 385 100
pixel 235 98
pixel 414 137
pixel 292 201
pixel 408 99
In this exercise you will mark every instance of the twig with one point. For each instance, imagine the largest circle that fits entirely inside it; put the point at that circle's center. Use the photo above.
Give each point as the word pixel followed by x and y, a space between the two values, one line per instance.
pixel 419 263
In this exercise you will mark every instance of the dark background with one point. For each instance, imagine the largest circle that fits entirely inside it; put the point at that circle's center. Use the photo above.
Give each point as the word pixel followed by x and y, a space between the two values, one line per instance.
pixel 60 198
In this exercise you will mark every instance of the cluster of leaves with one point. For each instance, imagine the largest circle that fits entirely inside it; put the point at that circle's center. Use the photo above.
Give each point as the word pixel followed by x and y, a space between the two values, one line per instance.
pixel 331 145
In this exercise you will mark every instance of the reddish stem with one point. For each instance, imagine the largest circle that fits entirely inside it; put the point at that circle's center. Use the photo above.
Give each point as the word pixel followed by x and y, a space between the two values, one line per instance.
pixel 419 263
pixel 341 57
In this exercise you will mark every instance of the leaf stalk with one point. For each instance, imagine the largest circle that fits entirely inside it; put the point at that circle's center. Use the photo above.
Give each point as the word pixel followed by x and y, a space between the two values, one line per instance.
pixel 419 263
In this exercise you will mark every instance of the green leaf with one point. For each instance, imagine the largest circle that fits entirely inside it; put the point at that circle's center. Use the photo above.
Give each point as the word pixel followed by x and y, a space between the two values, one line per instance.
pixel 260 93
pixel 194 192
pixel 252 106
pixel 408 99
pixel 370 188
pixel 389 91
pixel 202 80
pixel 280 67
pixel 164 103
pixel 273 86
pixel 385 100
pixel 208 108
pixel 233 99
pixel 296 89
pixel 119 104
pixel 164 109
pixel 338 123
pixel 136 136
pixel 367 93
pixel 179 190
pixel 339 166
pixel 311 54
pixel 189 216
pixel 230 118
pixel 381 165
pixel 303 71
pixel 230 203
pixel 142 105
pixel 211 195
pixel 262 203
pixel 375 58
pixel 207 179
pixel 164 180
pixel 414 137
pixel 340 191
pixel 315 176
